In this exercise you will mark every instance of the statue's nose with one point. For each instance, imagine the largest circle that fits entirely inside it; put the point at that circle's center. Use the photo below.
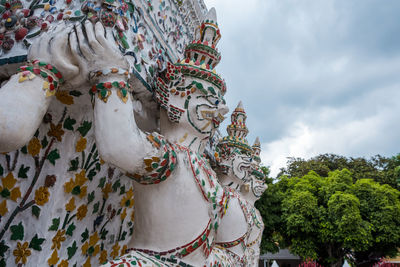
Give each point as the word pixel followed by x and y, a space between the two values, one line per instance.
pixel 223 109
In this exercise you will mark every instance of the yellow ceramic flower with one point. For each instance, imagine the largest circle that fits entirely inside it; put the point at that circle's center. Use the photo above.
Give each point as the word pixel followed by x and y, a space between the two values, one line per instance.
pixel 133 215
pixel 103 257
pixel 21 253
pixel 64 97
pixel 58 239
pixel 123 214
pixel 56 131
pixel 75 186
pixel 7 189
pixel 106 190
pixel 42 195
pixel 81 144
pixel 3 207
pixel 127 200
pixel 123 250
pixel 115 251
pixel 54 258
pixel 70 206
pixel 82 210
pixel 90 247
pixel 63 263
pixel 34 147
pixel 87 263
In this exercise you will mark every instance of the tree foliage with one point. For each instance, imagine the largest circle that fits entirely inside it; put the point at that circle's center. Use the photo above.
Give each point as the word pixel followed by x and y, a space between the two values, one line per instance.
pixel 270 208
pixel 321 210
pixel 384 170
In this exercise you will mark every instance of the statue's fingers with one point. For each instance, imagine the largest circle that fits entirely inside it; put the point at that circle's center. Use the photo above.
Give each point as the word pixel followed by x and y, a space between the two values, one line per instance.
pixel 60 43
pixel 111 40
pixel 60 51
pixel 73 45
pixel 38 49
pixel 93 42
pixel 83 44
pixel 55 30
pixel 32 51
pixel 100 34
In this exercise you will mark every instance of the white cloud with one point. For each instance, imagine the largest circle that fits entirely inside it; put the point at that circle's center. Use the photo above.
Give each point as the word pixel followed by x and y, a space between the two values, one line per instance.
pixel 371 135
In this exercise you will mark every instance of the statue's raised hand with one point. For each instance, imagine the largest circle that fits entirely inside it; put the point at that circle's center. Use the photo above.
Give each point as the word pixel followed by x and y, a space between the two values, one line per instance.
pixel 52 48
pixel 95 51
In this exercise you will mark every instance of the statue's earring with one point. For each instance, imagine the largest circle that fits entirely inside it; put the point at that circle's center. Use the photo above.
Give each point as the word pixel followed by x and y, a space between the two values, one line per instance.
pixel 245 188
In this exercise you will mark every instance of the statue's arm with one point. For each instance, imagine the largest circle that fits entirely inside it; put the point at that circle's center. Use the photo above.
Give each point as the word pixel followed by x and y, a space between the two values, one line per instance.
pixel 22 107
pixel 118 138
pixel 25 97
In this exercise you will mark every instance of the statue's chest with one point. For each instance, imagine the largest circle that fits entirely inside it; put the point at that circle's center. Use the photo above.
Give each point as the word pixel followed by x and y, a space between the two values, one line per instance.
pixel 207 183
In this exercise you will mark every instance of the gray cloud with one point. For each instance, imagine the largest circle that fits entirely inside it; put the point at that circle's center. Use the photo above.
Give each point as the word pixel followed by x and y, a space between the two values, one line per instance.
pixel 314 65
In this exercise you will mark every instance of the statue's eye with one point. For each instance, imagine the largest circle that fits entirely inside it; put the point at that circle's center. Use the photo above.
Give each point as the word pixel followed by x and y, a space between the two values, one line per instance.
pixel 213 100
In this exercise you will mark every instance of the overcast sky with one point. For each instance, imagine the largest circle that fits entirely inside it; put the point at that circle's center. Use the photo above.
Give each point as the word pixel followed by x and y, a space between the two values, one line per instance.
pixel 314 76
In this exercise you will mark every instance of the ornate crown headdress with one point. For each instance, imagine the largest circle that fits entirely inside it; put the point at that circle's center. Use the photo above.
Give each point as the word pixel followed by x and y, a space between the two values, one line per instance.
pixel 201 57
pixel 237 133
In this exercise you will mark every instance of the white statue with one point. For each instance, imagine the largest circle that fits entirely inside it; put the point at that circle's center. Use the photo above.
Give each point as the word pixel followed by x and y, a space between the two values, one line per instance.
pixel 238 168
pixel 173 176
pixel 26 96
pixel 234 162
pixel 251 192
pixel 60 203
pixel 71 149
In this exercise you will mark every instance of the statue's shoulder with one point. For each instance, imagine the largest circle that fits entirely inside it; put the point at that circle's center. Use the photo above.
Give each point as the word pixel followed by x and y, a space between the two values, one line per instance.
pixel 157 140
pixel 158 167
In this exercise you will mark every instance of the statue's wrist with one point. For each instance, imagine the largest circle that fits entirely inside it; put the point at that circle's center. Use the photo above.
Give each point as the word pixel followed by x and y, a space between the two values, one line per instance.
pixel 108 75
pixel 51 77
pixel 103 90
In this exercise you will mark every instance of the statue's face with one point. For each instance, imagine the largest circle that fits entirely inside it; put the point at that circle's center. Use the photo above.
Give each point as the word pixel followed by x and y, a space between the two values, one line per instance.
pixel 257 187
pixel 204 111
pixel 241 164
pixel 256 184
pixel 237 166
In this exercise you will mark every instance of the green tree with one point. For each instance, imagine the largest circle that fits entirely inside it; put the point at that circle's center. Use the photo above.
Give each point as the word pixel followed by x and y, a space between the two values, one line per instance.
pixel 329 218
pixel 385 170
pixel 269 206
pixel 380 208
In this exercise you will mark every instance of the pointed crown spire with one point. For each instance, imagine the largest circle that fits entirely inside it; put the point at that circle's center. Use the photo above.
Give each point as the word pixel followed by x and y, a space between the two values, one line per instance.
pixel 237 131
pixel 257 171
pixel 209 30
pixel 203 49
pixel 238 128
pixel 256 150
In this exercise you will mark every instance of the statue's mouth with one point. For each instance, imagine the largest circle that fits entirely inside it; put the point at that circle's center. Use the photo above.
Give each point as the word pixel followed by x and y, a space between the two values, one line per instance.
pixel 208 114
pixel 217 120
pixel 258 190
